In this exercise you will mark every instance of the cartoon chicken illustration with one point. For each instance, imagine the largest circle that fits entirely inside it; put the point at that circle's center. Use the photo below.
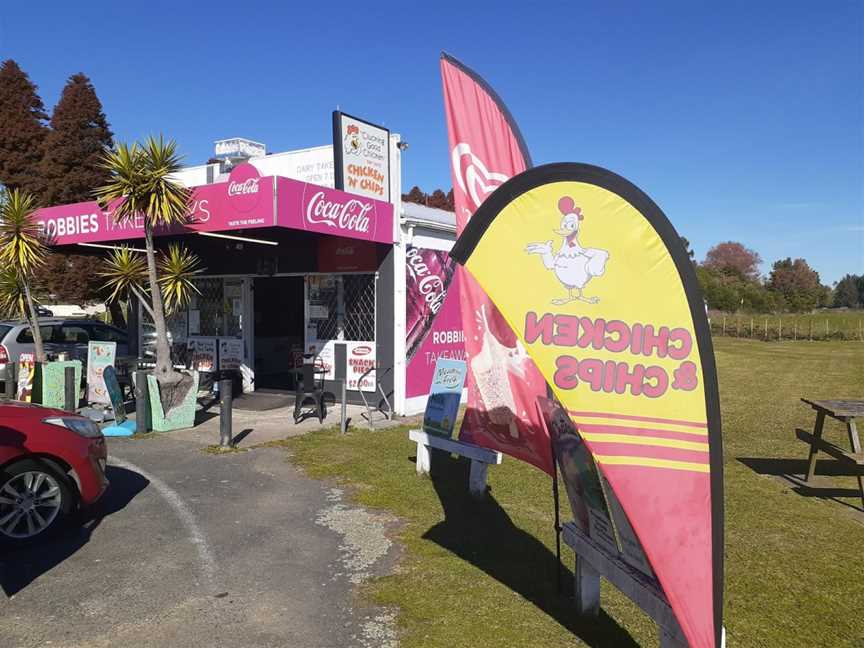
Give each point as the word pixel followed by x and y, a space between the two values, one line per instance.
pixel 573 265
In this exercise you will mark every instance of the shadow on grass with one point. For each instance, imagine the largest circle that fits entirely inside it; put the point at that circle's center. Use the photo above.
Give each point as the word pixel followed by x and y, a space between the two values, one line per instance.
pixel 482 534
pixel 793 471
pixel 20 567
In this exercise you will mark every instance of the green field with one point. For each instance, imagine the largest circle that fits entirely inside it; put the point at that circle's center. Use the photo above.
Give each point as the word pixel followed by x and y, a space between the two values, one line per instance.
pixel 825 325
pixel 483 575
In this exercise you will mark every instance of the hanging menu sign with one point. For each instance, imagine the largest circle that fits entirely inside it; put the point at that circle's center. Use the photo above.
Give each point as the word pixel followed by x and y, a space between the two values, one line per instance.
pixel 361 154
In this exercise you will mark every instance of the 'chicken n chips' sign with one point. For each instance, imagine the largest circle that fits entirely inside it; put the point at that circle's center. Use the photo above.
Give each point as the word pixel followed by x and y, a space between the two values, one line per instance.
pixel 595 282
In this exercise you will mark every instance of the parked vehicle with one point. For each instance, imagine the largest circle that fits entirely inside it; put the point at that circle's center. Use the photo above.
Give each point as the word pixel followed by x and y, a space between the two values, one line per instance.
pixel 52 463
pixel 59 335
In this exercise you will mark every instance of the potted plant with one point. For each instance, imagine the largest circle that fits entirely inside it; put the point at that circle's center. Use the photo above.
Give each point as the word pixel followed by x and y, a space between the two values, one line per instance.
pixel 22 250
pixel 140 186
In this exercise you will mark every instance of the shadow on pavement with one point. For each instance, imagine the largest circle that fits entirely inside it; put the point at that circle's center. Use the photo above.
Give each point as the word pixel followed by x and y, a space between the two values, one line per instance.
pixel 20 567
pixel 482 534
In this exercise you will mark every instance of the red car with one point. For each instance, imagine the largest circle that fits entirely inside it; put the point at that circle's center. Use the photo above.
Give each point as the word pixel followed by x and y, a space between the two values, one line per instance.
pixel 51 464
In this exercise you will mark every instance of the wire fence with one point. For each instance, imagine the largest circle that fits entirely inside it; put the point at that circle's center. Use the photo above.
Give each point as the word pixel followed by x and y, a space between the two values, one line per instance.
pixel 789 327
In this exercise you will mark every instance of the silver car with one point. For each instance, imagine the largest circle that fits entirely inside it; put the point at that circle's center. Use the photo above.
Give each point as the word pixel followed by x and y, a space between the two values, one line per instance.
pixel 59 335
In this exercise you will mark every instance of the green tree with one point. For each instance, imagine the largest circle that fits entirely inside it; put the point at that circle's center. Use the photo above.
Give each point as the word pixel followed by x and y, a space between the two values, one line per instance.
pixel 71 167
pixel 22 250
pixel 797 283
pixel 847 292
pixel 22 130
pixel 140 185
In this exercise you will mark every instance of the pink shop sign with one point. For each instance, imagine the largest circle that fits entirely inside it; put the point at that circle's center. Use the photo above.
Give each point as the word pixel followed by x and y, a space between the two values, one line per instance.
pixel 330 211
pixel 245 201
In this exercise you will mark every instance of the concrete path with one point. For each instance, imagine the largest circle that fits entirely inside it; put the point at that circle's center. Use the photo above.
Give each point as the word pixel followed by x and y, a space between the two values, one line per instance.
pixel 196 549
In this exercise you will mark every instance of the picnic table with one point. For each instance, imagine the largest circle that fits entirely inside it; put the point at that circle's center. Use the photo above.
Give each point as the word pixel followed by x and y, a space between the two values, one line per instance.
pixel 845 411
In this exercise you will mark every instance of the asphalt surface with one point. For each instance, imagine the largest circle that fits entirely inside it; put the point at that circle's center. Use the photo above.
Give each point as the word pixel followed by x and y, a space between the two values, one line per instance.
pixel 192 549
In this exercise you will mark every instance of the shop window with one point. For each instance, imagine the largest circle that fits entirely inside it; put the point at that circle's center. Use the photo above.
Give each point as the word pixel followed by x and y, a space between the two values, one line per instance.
pixel 342 307
pixel 218 310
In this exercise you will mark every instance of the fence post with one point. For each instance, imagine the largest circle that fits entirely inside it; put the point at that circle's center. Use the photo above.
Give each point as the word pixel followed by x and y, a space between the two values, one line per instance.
pixel 795 330
pixel 10 383
pixel 766 329
pixel 751 328
pixel 826 328
pixel 779 328
pixel 226 402
pixel 69 389
pixel 724 325
pixel 811 329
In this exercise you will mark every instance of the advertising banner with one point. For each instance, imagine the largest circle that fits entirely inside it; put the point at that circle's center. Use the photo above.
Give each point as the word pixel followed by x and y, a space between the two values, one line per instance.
pixel 361 154
pixel 99 356
pixel 442 408
pixel 26 373
pixel 600 291
pixel 433 320
pixel 361 358
pixel 203 354
pixel 486 148
pixel 230 354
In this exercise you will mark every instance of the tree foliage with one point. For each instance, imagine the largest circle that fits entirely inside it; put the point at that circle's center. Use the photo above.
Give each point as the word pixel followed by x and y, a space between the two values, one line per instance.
pixel 71 167
pixel 849 292
pixel 437 199
pixel 798 284
pixel 22 130
pixel 732 256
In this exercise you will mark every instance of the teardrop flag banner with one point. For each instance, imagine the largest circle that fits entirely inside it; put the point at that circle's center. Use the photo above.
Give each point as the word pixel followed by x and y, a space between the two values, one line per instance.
pixel 486 148
pixel 596 284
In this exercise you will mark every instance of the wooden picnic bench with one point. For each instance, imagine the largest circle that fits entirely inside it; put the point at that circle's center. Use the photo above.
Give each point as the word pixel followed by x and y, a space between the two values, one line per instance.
pixel 480 458
pixel 845 411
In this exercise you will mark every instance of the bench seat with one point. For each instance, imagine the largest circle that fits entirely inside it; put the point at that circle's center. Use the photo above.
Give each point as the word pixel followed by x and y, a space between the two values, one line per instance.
pixel 480 457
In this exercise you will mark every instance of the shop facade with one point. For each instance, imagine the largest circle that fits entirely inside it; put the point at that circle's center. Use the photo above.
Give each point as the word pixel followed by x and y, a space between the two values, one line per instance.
pixel 294 267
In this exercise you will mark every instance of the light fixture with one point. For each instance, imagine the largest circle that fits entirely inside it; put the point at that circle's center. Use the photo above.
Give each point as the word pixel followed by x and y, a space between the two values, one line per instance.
pixel 238 238
pixel 402 146
pixel 112 247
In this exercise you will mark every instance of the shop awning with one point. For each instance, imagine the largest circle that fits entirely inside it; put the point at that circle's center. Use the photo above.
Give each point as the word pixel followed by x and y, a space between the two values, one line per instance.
pixel 246 201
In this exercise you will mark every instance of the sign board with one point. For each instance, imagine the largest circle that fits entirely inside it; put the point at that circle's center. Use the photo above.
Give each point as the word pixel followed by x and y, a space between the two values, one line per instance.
pixel 203 354
pixel 442 408
pixel 361 154
pixel 325 358
pixel 26 373
pixel 239 147
pixel 99 356
pixel 361 358
pixel 230 353
pixel 114 393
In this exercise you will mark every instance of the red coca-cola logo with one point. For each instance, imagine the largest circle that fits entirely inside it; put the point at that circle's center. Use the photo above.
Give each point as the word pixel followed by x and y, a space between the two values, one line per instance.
pixel 362 350
pixel 244 187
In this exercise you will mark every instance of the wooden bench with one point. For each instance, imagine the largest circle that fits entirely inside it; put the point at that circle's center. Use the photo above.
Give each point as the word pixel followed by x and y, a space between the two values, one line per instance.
pixel 480 458
pixel 594 561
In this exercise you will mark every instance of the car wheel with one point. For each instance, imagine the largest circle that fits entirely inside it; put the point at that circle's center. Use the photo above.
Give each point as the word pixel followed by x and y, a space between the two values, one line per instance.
pixel 35 501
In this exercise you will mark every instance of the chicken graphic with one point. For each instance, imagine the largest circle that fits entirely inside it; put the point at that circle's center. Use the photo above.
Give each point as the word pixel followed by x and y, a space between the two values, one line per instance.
pixel 573 265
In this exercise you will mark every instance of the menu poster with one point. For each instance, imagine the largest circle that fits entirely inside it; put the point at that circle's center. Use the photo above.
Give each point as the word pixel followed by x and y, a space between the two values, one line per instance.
pixel 230 354
pixel 581 478
pixel 442 407
pixel 203 354
pixel 100 355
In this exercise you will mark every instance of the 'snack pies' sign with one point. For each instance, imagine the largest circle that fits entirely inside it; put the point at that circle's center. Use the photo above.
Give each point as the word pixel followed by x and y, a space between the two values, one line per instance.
pixel 594 281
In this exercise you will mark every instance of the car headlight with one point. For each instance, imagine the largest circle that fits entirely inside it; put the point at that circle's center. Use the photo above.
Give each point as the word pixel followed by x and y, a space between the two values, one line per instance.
pixel 85 427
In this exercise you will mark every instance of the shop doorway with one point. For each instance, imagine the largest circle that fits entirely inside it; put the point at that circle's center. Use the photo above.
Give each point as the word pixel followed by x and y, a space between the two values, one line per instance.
pixel 279 321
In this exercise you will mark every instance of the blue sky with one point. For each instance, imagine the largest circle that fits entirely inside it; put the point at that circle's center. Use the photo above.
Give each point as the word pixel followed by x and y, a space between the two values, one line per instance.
pixel 744 121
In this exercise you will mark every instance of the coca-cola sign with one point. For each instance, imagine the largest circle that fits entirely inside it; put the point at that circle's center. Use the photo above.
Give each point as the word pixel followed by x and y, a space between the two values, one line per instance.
pixel 341 213
pixel 430 286
pixel 244 187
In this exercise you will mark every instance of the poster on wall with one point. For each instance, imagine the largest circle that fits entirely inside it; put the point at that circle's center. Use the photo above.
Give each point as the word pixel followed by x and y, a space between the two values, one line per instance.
pixel 325 358
pixel 433 320
pixel 99 356
pixel 601 293
pixel 361 153
pixel 26 372
pixel 361 358
pixel 203 354
pixel 230 354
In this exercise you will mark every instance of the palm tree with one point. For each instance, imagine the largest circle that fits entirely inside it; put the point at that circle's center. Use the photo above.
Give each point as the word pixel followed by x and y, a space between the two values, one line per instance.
pixel 140 185
pixel 22 250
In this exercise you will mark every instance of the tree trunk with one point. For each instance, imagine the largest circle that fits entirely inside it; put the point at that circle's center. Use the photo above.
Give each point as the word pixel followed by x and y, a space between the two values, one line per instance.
pixel 118 319
pixel 164 369
pixel 38 346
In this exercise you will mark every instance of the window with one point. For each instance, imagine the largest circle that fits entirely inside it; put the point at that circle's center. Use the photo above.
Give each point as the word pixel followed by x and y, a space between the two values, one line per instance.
pixel 342 307
pixel 102 333
pixel 26 335
pixel 73 334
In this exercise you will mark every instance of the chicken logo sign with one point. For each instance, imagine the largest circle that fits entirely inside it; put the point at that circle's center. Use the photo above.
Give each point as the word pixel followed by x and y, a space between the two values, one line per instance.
pixel 573 265
pixel 612 316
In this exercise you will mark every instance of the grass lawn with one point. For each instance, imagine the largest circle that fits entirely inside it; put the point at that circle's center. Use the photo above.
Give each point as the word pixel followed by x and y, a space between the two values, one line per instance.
pixel 483 574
